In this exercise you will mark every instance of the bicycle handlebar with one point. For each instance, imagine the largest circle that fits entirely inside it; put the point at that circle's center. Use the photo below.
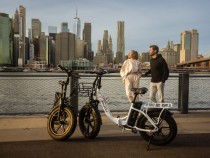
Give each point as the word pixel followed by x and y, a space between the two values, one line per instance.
pixel 68 71
pixel 98 72
pixel 65 69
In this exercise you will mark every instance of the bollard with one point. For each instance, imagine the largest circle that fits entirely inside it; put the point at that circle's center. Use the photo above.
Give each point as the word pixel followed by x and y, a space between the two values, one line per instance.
pixel 184 93
pixel 74 99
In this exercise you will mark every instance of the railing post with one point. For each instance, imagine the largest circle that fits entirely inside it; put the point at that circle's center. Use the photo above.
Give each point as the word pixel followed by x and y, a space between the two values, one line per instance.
pixel 179 92
pixel 184 93
pixel 74 99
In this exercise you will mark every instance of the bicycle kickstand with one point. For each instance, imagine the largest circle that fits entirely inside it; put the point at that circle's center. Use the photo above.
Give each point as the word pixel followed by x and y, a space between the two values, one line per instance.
pixel 148 145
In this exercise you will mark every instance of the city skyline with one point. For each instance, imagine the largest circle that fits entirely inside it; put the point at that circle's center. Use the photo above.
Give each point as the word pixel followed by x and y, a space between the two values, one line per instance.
pixel 146 22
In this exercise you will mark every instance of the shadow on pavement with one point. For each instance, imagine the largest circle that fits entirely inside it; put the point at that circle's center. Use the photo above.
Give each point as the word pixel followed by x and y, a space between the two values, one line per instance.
pixel 184 146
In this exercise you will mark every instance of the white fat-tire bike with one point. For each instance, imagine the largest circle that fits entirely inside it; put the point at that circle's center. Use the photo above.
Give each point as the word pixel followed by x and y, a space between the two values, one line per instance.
pixel 153 121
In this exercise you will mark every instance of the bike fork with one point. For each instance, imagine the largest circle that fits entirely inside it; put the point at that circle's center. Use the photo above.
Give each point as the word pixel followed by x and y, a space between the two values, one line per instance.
pixel 61 108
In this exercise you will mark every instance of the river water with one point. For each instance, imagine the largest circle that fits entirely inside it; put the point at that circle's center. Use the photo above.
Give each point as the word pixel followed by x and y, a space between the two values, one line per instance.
pixel 34 93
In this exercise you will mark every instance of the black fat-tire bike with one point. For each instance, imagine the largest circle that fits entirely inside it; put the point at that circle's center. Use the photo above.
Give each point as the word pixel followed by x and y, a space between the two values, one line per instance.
pixel 62 119
pixel 89 116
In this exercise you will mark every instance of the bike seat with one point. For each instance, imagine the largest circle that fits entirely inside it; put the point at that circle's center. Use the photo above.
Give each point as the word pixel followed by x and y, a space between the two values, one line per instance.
pixel 142 90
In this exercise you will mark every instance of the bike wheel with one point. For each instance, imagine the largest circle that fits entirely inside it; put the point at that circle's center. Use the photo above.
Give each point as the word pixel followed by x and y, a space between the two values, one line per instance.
pixel 63 128
pixel 89 121
pixel 167 129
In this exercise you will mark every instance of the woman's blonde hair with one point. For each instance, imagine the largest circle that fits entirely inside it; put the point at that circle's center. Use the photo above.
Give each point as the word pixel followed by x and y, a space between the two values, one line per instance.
pixel 133 55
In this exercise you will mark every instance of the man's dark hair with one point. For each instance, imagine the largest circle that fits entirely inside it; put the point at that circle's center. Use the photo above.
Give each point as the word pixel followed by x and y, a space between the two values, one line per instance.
pixel 155 47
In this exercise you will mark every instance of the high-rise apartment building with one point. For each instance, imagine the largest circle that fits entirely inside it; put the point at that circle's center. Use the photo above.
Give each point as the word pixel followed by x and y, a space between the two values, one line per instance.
pixel 189 45
pixel 64 27
pixel 6 51
pixel 36 28
pixel 77 26
pixel 120 41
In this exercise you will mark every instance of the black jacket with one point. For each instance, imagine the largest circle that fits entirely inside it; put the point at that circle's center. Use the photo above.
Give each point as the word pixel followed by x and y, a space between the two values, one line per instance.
pixel 159 69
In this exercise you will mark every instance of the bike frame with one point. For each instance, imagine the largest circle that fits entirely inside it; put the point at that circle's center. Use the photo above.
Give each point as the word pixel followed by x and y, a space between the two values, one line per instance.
pixel 122 122
pixel 64 84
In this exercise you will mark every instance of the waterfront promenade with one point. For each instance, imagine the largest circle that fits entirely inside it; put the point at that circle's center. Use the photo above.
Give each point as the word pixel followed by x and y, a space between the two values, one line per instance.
pixel 26 136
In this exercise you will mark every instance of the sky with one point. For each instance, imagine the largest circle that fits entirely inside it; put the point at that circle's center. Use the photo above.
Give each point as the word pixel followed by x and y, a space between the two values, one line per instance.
pixel 146 21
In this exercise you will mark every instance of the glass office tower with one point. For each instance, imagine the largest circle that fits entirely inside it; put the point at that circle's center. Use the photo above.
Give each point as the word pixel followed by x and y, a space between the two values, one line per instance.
pixel 5 39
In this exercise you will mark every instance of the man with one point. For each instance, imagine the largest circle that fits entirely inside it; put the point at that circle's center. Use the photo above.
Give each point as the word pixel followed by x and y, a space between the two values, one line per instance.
pixel 131 73
pixel 159 72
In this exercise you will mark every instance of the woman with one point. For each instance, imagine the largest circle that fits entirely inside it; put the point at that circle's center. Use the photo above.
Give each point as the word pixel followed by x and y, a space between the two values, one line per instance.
pixel 131 73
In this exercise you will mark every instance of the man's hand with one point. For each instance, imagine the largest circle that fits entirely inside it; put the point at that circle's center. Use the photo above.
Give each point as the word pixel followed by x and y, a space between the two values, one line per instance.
pixel 146 74
pixel 143 75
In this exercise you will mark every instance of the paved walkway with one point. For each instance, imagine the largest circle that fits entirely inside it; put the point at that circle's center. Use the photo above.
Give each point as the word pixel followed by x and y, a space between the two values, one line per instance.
pixel 21 131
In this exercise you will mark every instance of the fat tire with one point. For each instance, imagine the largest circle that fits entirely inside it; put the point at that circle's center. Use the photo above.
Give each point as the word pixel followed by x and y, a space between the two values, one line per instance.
pixel 159 138
pixel 67 125
pixel 89 121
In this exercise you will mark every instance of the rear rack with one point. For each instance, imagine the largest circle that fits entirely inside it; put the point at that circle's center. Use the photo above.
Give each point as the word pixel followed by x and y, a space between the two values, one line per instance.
pixel 85 89
pixel 158 105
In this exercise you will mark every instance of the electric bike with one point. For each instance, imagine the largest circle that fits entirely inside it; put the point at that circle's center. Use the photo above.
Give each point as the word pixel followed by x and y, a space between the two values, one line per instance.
pixel 153 121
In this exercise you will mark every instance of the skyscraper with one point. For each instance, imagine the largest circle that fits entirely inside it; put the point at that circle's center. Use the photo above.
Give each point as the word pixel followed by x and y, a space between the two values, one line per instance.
pixel 87 35
pixel 31 46
pixel 16 22
pixel 64 27
pixel 109 54
pixel 65 47
pixel 194 44
pixel 16 25
pixel 43 48
pixel 36 28
pixel 77 26
pixel 22 35
pixel 189 45
pixel 52 29
pixel 99 47
pixel 88 53
pixel 105 42
pixel 6 53
pixel 120 41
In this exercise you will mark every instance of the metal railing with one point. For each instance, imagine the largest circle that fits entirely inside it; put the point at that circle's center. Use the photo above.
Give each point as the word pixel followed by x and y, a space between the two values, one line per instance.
pixel 33 93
